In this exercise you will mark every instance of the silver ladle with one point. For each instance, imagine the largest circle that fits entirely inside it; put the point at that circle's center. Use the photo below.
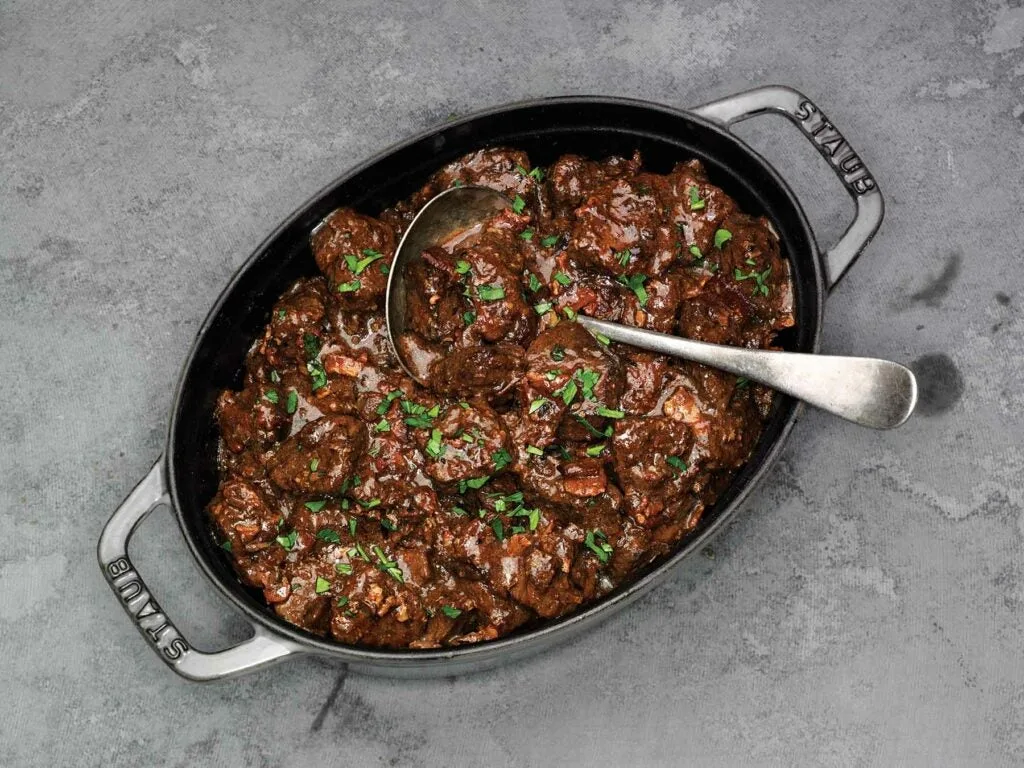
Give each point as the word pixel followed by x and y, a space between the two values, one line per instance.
pixel 867 391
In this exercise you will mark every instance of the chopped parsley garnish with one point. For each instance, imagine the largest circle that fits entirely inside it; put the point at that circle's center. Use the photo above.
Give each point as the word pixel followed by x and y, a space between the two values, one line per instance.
pixel 322 585
pixel 357 265
pixel 314 464
pixel 624 257
pixel 760 286
pixel 742 382
pixel 462 267
pixel 315 506
pixel 610 413
pixel 595 450
pixel 328 535
pixel 676 463
pixel 468 317
pixel 275 377
pixel 521 170
pixel 537 174
pixel 390 567
pixel 588 379
pixel 226 545
pixel 636 284
pixel 288 542
pixel 391 397
pixel 501 459
pixel 567 392
pixel 697 255
pixel 602 338
pixel 358 551
pixel 543 307
pixel 696 203
pixel 499 529
pixel 558 353
pixel 352 524
pixel 317 374
pixel 534 283
pixel 550 240
pixel 387 524
pixel 311 345
pixel 474 482
pixel 533 450
pixel 537 404
pixel 570 313
pixel 419 416
pixel 597 543
pixel 342 601
pixel 350 287
pixel 271 396
pixel 434 445
pixel 450 611
pixel 526 234
pixel 292 403
pixel 532 515
pixel 490 292
pixel 562 279
pixel 722 236
pixel 345 569
pixel 382 426
pixel 368 504
pixel 280 314
pixel 592 429
pixel 518 204
pixel 459 512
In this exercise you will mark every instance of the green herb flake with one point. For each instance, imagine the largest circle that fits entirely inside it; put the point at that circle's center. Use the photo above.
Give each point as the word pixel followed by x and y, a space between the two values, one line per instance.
pixel 390 398
pixel 352 524
pixel 624 257
pixel 597 543
pixel 450 611
pixel 697 255
pixel 677 463
pixel 343 601
pixel 521 170
pixel 588 379
pixel 558 353
pixel 610 413
pixel 387 524
pixel 314 464
pixel 350 287
pixel 696 204
pixel 271 396
pixel 288 542
pixel 357 265
pixel 390 567
pixel 742 382
pixel 533 450
pixel 534 283
pixel 275 377
pixel 526 234
pixel 722 236
pixel 311 345
pixel 226 545
pixel 567 392
pixel 570 313
pixel 499 529
pixel 550 241
pixel 435 448
pixel 317 374
pixel 345 569
pixel 562 279
pixel 322 585
pixel 462 267
pixel 315 506
pixel 292 403
pixel 759 278
pixel 537 175
pixel 602 338
pixel 595 450
pixel 636 284
pixel 368 504
pixel 382 426
pixel 518 204
pixel 280 314
pixel 501 459
pixel 543 307
pixel 490 292
pixel 468 317
pixel 329 535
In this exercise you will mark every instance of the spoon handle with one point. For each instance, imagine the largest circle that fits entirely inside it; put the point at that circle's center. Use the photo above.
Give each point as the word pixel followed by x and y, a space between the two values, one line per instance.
pixel 875 393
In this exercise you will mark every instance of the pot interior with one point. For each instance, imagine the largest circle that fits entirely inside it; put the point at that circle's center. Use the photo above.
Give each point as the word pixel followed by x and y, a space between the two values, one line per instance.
pixel 592 127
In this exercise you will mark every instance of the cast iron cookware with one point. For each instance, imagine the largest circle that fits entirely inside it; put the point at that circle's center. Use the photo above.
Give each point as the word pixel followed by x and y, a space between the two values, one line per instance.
pixel 185 477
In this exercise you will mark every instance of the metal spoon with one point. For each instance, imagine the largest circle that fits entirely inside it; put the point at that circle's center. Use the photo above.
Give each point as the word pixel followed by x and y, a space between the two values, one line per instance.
pixel 875 393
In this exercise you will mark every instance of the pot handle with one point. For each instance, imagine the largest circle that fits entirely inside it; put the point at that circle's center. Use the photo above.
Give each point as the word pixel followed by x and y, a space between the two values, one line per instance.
pixel 831 144
pixel 135 597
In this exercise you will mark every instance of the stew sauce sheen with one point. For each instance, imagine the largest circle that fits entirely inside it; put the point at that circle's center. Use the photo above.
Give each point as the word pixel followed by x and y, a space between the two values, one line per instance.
pixel 543 467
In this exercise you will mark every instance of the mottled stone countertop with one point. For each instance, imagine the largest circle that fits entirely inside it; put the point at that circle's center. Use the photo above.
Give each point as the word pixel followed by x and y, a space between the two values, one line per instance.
pixel 867 606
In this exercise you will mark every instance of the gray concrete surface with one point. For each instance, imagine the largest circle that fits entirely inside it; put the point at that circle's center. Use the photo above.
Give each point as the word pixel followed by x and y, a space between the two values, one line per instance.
pixel 866 609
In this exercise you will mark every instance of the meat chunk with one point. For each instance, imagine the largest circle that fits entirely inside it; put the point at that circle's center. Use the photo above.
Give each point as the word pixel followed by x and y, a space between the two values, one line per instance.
pixel 320 457
pixel 355 253
pixel 571 179
pixel 652 456
pixel 487 371
pixel 466 442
